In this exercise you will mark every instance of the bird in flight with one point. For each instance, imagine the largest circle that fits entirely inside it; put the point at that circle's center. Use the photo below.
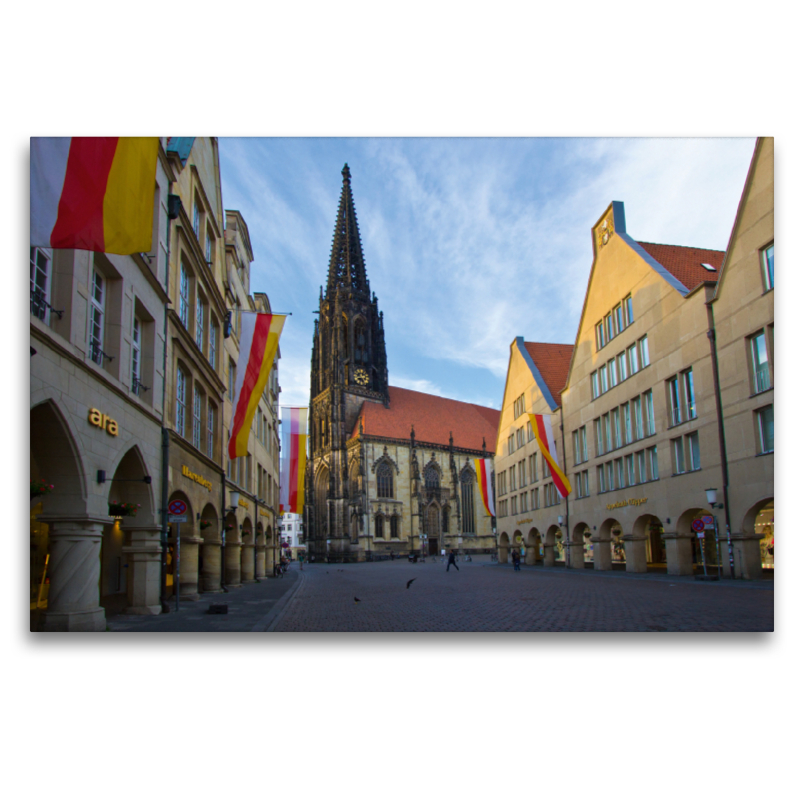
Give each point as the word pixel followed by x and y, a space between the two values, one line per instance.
pixel 356 599
pixel 410 582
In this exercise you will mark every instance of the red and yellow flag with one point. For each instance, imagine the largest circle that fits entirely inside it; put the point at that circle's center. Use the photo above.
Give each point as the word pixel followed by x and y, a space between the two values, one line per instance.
pixel 483 467
pixel 294 432
pixel 258 346
pixel 543 431
pixel 93 193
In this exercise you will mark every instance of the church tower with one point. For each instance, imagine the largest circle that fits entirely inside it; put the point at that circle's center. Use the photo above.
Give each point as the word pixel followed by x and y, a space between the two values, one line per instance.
pixel 348 366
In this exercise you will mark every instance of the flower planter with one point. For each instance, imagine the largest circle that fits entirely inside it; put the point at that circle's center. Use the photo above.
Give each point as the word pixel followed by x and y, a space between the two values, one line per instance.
pixel 123 509
pixel 40 488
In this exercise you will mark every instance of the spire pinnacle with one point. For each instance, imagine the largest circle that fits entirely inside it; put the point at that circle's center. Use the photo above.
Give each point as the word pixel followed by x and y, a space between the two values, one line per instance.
pixel 346 269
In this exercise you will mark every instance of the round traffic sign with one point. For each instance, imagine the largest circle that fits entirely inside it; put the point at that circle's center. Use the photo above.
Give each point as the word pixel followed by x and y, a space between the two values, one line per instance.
pixel 698 525
pixel 177 507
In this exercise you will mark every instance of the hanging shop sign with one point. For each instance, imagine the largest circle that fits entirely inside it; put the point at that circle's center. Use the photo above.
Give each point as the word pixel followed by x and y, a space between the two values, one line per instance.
pixel 633 501
pixel 100 420
pixel 193 476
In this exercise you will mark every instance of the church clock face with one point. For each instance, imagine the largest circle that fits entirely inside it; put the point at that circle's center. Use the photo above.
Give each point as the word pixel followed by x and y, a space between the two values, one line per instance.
pixel 361 377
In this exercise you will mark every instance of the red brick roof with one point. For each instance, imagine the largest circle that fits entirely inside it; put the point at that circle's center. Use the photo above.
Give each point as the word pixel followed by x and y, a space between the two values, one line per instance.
pixel 552 361
pixel 433 419
pixel 684 262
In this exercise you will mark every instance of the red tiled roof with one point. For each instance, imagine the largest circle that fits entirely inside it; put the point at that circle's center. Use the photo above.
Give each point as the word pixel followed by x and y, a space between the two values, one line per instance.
pixel 552 361
pixel 433 419
pixel 684 262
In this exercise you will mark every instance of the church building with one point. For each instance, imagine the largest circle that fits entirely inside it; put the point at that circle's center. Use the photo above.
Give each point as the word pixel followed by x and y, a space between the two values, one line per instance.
pixel 391 471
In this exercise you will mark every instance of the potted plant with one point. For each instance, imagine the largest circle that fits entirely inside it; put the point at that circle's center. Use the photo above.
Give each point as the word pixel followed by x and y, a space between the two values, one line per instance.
pixel 205 524
pixel 39 487
pixel 116 509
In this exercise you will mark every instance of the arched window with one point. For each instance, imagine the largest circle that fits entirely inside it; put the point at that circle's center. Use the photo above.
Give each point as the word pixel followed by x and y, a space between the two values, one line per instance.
pixel 445 520
pixel 379 527
pixel 431 477
pixel 385 481
pixel 394 525
pixel 360 342
pixel 468 500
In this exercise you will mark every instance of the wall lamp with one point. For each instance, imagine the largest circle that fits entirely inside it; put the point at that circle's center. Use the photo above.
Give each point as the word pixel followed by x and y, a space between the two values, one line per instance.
pixel 711 496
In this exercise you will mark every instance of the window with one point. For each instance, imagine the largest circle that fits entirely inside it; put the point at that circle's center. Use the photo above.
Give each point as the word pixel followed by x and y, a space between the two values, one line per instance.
pixel 209 245
pixel 530 432
pixel 511 443
pixel 467 501
pixel 97 307
pixel 600 336
pixel 40 284
pixel 760 363
pixel 520 437
pixel 598 436
pixel 609 328
pixel 642 466
pixel 622 366
pixel 231 379
pixel 617 428
pixel 210 431
pixel 637 417
pixel 501 484
pixel 678 463
pixel 650 417
pixel 674 397
pixel 768 267
pixel 612 373
pixel 620 468
pixel 607 432
pixel 693 448
pixel 535 499
pixel 545 468
pixel 626 422
pixel 385 480
pixel 652 456
pixel 136 354
pixel 379 527
pixel 618 320
pixel 766 430
pixel 603 379
pixel 630 470
pixel 628 305
pixel 519 406
pixel 633 360
pixel 183 305
pixel 601 480
pixel 394 525
pixel 512 474
pixel 610 476
pixel 180 401
pixel 579 444
pixel 212 344
pixel 534 467
pixel 644 351
pixel 595 386
pixel 582 483
pixel 196 219
pixel 196 411
pixel 198 321
pixel 522 481
pixel 688 393
pixel 432 478
pixel 514 505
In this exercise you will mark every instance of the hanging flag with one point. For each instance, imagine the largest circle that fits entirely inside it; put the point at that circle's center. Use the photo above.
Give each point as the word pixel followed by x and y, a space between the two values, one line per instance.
pixel 544 435
pixel 294 427
pixel 258 346
pixel 93 193
pixel 483 466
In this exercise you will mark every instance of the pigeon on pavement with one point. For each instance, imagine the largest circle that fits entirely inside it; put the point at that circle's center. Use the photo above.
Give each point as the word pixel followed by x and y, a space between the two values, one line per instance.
pixel 410 582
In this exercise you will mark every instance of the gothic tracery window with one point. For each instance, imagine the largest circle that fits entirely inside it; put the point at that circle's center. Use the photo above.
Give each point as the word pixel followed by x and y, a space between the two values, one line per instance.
pixel 431 477
pixel 468 500
pixel 360 341
pixel 385 480
pixel 394 525
pixel 379 527
pixel 445 520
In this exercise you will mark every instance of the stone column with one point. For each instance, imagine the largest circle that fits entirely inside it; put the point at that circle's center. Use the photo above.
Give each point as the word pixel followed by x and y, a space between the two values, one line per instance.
pixel 502 554
pixel 679 553
pixel 576 554
pixel 602 551
pixel 261 560
pixel 190 551
pixel 212 557
pixel 550 555
pixel 233 565
pixel 248 563
pixel 73 602
pixel 635 553
pixel 531 555
pixel 746 556
pixel 144 569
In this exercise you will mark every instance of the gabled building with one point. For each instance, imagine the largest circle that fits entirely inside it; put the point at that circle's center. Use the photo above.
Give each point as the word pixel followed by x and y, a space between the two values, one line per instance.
pixel 390 470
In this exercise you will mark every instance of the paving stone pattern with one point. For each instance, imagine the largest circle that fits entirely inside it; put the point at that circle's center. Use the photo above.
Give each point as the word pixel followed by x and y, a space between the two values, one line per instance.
pixel 492 597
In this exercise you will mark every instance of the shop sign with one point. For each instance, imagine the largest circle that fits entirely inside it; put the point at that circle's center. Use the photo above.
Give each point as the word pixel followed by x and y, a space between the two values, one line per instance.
pixel 193 476
pixel 243 503
pixel 524 521
pixel 263 512
pixel 633 501
pixel 100 420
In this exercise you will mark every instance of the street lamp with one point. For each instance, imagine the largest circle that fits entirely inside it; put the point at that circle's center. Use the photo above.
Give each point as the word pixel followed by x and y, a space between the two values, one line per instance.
pixel 711 497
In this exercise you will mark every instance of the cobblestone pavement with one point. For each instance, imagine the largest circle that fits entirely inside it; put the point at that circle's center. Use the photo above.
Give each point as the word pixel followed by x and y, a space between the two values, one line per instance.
pixel 492 597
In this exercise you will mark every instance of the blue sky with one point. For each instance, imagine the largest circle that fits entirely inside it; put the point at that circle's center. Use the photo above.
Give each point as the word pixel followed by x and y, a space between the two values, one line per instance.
pixel 468 242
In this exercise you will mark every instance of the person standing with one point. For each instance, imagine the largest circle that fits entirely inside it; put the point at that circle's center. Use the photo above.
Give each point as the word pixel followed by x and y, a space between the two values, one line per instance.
pixel 451 560
pixel 515 559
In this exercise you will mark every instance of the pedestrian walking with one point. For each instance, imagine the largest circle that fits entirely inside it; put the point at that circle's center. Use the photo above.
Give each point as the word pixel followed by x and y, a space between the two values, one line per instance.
pixel 451 560
pixel 515 559
pixel 301 558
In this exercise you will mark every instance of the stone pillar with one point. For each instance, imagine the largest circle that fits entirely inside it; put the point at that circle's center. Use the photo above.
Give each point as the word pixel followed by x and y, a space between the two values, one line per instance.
pixel 73 602
pixel 261 560
pixel 746 556
pixel 190 551
pixel 549 555
pixel 233 565
pixel 602 551
pixel 576 554
pixel 212 557
pixel 531 554
pixel 144 569
pixel 502 554
pixel 248 563
pixel 635 553
pixel 679 553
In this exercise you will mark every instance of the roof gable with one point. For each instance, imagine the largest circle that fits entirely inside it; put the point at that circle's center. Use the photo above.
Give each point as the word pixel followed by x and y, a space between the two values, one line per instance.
pixel 550 368
pixel 433 419
pixel 686 263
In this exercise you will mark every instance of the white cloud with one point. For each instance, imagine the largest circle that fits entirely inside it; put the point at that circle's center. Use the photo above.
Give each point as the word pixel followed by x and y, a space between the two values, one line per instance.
pixel 417 385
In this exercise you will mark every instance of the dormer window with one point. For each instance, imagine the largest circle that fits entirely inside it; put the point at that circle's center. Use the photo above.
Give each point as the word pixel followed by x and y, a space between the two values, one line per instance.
pixel 708 267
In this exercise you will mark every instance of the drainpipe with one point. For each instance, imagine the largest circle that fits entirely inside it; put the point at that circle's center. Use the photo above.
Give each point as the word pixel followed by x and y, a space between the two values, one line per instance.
pixel 712 339
pixel 568 548
pixel 173 211
pixel 222 528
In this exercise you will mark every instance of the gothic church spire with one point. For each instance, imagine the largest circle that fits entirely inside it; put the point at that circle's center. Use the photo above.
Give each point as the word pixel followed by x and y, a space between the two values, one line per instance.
pixel 346 269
